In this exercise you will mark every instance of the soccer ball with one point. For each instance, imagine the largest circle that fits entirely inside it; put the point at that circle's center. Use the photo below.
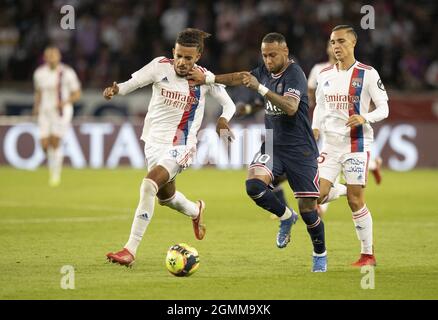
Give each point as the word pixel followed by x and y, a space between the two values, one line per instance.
pixel 182 260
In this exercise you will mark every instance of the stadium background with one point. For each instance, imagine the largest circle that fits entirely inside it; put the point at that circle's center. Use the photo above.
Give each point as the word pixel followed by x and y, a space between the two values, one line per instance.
pixel 114 38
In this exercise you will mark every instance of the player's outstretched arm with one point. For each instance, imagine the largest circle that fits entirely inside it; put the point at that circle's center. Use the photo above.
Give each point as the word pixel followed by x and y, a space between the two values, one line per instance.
pixel 287 104
pixel 109 92
pixel 228 79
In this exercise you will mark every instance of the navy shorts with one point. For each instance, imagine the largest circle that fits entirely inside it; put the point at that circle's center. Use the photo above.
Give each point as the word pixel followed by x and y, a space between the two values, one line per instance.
pixel 301 173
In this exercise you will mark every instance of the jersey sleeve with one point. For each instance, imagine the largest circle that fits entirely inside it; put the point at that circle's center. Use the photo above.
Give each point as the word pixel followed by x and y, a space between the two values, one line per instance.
pixel 147 74
pixel 73 82
pixel 218 92
pixel 140 78
pixel 295 84
pixel 379 96
pixel 375 86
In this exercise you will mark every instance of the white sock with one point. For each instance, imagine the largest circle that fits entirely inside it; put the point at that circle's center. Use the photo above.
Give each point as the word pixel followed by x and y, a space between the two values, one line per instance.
pixel 143 214
pixel 335 192
pixel 286 215
pixel 319 254
pixel 363 223
pixel 58 157
pixel 181 204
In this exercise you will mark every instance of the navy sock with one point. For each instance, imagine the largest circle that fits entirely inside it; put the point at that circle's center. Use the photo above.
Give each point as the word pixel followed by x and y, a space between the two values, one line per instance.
pixel 279 193
pixel 264 197
pixel 315 228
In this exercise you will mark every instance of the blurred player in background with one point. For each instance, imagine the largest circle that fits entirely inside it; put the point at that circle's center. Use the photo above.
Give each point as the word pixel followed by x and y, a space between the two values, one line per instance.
pixel 292 151
pixel 56 89
pixel 343 94
pixel 174 116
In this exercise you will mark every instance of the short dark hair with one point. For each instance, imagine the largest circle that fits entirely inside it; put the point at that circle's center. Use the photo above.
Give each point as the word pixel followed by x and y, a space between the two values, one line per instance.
pixel 274 37
pixel 347 27
pixel 191 37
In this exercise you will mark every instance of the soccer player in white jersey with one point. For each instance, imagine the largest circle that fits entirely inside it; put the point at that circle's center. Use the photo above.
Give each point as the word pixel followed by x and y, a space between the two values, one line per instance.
pixel 375 162
pixel 174 116
pixel 56 89
pixel 343 94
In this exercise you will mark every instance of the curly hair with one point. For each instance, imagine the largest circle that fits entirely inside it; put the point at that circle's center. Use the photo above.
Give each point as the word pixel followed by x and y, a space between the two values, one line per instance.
pixel 191 37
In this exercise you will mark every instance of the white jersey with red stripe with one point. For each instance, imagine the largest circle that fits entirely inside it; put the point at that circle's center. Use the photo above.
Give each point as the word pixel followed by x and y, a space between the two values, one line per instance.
pixel 55 85
pixel 343 93
pixel 176 108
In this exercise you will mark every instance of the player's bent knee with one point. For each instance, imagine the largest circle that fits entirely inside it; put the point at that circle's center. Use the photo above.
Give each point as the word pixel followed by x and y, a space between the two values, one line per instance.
pixel 355 203
pixel 149 187
pixel 355 200
pixel 255 188
pixel 307 204
pixel 159 174
pixel 164 200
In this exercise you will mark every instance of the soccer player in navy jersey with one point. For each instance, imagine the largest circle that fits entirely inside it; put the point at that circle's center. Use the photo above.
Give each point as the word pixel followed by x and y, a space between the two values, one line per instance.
pixel 292 149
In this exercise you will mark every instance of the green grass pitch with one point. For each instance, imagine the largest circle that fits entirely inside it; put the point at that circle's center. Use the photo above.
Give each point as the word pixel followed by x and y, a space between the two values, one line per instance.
pixel 90 214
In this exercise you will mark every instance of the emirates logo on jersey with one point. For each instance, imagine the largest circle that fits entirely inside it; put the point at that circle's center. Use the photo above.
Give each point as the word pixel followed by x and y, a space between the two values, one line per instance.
pixel 341 98
pixel 178 100
pixel 341 101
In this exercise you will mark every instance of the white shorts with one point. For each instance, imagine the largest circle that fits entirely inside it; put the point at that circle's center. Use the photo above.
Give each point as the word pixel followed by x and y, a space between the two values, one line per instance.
pixel 353 165
pixel 51 123
pixel 173 158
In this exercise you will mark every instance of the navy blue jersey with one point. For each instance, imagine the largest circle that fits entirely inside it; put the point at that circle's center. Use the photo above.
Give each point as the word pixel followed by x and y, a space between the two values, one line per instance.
pixel 295 131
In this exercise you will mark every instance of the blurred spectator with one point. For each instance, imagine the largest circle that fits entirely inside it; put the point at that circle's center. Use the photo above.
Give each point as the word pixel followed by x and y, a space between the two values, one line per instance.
pixel 173 20
pixel 432 74
pixel 114 38
pixel 9 37
pixel 87 37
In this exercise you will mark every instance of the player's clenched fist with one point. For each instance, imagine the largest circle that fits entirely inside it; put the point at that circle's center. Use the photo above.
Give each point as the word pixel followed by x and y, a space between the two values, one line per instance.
pixel 109 92
pixel 197 76
pixel 249 80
